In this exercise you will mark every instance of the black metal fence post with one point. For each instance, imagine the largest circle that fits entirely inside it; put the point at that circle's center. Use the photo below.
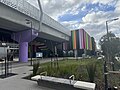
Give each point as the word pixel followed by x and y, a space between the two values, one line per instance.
pixel 105 75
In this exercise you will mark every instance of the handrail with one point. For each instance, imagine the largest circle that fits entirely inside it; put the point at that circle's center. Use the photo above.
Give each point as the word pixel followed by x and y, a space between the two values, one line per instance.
pixel 114 72
pixel 72 77
pixel 42 73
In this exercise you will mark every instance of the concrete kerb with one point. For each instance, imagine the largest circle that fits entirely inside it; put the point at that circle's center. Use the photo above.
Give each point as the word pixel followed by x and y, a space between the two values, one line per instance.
pixel 64 83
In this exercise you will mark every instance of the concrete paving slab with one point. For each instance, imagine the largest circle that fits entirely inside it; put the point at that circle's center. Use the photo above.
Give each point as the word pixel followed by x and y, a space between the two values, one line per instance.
pixel 17 83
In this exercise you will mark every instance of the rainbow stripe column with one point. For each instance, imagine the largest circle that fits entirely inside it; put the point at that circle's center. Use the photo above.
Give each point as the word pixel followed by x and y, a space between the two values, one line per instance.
pixel 81 40
pixel 74 39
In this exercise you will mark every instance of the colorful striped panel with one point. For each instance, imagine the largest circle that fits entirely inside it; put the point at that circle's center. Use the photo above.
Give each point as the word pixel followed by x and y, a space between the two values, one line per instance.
pixel 77 39
pixel 90 43
pixel 75 42
pixel 84 39
pixel 87 41
pixel 80 39
pixel 74 39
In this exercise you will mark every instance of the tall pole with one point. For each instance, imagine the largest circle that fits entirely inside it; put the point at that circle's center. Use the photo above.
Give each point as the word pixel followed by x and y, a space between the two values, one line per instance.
pixel 41 15
pixel 107 40
pixel 107 30
pixel 31 51
pixel 105 75
pixel 105 63
pixel 108 43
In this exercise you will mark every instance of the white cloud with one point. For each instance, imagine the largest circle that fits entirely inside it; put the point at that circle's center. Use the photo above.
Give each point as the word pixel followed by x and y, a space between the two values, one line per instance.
pixel 109 2
pixel 83 8
pixel 60 7
pixel 71 24
pixel 56 8
pixel 117 7
pixel 94 23
pixel 75 10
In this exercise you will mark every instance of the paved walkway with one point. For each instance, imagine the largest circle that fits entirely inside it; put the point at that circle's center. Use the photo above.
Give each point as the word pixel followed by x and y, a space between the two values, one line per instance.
pixel 17 83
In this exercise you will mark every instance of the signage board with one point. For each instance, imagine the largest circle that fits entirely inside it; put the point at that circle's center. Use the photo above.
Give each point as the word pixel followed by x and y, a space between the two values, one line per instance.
pixel 3 52
pixel 39 55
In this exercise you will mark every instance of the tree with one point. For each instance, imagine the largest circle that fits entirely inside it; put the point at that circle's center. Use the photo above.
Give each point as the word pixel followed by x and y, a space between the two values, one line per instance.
pixel 93 46
pixel 110 47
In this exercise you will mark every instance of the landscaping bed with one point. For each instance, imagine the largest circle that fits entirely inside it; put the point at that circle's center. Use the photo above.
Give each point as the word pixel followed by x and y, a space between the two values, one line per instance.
pixel 90 70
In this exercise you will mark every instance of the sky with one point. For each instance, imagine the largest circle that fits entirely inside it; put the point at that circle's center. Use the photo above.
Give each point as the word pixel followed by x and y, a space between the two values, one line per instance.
pixel 90 15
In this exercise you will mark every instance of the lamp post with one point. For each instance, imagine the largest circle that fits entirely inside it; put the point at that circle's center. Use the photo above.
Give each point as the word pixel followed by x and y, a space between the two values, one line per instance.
pixel 31 26
pixel 107 26
pixel 105 64
pixel 108 34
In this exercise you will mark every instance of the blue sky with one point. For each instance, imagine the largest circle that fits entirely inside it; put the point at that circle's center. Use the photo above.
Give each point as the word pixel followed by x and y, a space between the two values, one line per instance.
pixel 89 7
pixel 87 14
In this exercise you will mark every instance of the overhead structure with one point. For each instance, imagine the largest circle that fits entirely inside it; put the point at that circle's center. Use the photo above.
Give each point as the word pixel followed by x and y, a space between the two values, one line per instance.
pixel 14 15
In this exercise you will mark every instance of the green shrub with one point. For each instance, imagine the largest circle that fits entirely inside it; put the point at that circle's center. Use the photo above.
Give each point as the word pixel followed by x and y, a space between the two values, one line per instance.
pixel 82 69
pixel 91 69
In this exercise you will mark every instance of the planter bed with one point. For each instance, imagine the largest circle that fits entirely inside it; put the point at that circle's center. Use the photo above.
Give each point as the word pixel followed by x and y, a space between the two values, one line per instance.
pixel 63 84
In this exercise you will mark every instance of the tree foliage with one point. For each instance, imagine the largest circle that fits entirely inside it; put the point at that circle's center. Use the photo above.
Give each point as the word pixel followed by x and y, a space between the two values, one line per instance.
pixel 110 47
pixel 93 46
